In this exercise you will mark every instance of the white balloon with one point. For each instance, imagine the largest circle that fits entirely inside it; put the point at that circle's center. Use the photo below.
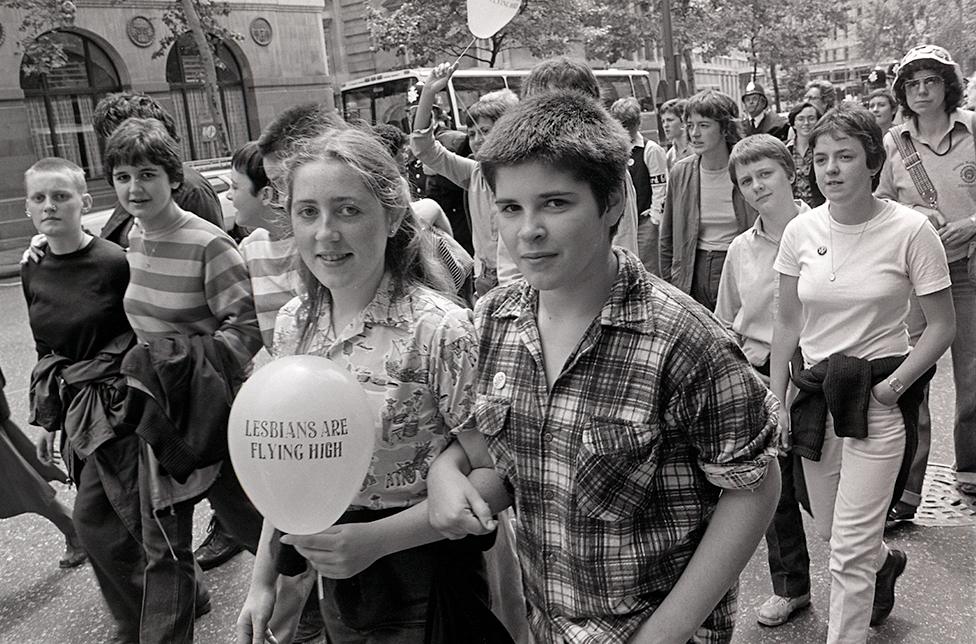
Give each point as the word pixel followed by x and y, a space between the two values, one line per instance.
pixel 301 436
pixel 487 17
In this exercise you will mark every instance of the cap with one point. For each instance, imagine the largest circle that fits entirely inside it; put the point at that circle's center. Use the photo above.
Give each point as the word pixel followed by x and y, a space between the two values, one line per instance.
pixel 927 52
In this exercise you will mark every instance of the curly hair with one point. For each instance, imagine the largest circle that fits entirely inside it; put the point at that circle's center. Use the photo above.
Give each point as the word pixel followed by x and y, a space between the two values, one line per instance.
pixel 111 111
pixel 950 78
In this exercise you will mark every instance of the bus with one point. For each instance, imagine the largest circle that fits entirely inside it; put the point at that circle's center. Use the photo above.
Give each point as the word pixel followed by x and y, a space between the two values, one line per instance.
pixel 387 97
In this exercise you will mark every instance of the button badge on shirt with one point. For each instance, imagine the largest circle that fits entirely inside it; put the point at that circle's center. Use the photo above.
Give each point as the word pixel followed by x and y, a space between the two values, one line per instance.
pixel 498 382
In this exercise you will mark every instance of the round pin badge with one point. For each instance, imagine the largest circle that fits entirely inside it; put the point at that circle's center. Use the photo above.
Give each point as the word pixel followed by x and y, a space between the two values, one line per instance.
pixel 499 380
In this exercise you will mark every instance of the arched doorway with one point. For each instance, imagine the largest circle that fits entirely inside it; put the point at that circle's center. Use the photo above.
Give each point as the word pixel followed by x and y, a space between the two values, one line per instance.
pixel 184 73
pixel 60 103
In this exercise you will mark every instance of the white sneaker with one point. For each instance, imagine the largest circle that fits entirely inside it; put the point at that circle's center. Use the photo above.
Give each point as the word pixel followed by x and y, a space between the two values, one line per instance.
pixel 778 610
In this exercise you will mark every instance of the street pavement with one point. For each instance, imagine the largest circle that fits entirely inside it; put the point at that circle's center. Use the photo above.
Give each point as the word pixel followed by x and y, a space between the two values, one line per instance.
pixel 40 604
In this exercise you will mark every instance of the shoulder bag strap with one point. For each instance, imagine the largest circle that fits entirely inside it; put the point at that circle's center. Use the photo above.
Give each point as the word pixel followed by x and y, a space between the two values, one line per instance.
pixel 913 164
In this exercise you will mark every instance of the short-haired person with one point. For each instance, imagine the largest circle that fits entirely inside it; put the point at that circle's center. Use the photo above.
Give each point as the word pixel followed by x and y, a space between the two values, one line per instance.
pixel 762 167
pixel 673 123
pixel 564 74
pixel 74 300
pixel 882 104
pixel 821 93
pixel 637 443
pixel 802 118
pixel 847 271
pixel 929 90
pixel 463 171
pixel 187 282
pixel 759 118
pixel 704 210
pixel 648 168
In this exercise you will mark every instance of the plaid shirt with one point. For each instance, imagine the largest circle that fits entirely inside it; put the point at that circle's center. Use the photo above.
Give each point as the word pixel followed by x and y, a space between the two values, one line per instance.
pixel 616 470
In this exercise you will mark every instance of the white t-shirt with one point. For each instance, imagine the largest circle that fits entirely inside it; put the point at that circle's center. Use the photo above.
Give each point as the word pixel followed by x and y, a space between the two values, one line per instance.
pixel 862 313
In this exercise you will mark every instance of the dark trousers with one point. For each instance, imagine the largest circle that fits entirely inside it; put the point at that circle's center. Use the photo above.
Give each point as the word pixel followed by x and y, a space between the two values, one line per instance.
pixel 169 582
pixel 706 276
pixel 235 512
pixel 789 562
pixel 107 520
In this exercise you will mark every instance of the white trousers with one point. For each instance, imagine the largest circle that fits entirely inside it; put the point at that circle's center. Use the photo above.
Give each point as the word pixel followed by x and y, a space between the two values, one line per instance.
pixel 850 489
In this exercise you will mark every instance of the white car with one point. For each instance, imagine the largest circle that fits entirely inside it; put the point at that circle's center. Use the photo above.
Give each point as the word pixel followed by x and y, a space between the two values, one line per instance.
pixel 216 171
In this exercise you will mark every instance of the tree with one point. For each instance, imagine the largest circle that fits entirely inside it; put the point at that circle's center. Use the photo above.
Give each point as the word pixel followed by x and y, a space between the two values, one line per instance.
pixel 429 31
pixel 888 28
pixel 615 29
pixel 201 18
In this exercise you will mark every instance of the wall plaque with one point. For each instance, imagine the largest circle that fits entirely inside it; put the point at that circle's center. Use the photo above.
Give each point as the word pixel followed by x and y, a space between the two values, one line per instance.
pixel 140 31
pixel 261 31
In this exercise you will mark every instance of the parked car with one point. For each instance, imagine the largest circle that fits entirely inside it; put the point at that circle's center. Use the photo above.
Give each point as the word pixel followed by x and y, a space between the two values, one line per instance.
pixel 216 171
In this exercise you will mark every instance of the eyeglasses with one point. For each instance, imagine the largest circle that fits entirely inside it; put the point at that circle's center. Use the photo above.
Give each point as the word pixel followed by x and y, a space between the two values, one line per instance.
pixel 930 83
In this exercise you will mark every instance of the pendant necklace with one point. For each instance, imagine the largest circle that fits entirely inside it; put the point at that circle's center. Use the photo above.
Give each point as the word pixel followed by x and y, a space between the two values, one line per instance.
pixel 830 234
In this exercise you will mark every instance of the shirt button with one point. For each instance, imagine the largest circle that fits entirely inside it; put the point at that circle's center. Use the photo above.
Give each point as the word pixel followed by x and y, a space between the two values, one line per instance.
pixel 550 556
pixel 549 495
pixel 547 437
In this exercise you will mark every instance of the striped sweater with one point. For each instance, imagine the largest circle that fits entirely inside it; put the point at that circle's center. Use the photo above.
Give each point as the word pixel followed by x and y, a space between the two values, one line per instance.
pixel 272 264
pixel 190 279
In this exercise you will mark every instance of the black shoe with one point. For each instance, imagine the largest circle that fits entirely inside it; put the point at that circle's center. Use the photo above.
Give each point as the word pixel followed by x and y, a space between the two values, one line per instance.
pixel 202 605
pixel 884 587
pixel 901 513
pixel 74 554
pixel 218 548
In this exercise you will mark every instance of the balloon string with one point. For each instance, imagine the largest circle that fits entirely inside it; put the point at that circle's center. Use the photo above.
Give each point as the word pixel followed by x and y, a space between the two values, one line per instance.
pixel 473 41
pixel 318 583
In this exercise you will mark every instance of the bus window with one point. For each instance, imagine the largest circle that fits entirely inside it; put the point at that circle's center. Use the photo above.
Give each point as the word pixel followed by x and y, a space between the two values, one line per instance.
pixel 642 92
pixel 357 105
pixel 390 102
pixel 468 89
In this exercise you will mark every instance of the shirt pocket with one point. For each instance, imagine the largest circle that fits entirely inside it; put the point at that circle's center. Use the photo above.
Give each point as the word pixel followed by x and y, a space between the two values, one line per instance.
pixel 615 468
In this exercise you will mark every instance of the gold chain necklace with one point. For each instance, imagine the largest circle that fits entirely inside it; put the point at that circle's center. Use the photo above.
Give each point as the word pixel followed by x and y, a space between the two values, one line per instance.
pixel 830 235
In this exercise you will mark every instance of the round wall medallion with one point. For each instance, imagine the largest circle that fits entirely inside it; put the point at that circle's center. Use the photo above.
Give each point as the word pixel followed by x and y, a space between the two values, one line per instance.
pixel 141 31
pixel 261 31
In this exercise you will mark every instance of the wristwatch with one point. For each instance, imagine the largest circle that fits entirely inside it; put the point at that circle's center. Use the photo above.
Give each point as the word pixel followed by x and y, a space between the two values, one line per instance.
pixel 896 385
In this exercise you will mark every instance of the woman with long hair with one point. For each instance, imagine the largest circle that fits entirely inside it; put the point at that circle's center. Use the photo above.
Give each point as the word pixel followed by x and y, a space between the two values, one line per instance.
pixel 847 271
pixel 376 304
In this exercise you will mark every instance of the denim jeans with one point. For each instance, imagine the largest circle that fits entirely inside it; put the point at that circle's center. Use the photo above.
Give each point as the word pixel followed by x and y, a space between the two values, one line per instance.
pixel 647 241
pixel 706 276
pixel 963 353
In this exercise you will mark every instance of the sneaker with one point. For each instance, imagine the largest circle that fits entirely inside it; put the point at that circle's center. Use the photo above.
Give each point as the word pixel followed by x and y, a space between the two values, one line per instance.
pixel 778 610
pixel 74 555
pixel 901 513
pixel 218 548
pixel 884 587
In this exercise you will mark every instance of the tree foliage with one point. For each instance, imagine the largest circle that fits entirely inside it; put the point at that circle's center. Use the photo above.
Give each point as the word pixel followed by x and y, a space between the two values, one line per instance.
pixel 42 53
pixel 428 31
pixel 614 29
pixel 886 29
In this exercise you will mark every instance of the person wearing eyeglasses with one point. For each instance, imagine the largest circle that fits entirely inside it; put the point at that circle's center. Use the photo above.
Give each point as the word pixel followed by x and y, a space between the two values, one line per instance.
pixel 929 90
pixel 821 93
pixel 802 118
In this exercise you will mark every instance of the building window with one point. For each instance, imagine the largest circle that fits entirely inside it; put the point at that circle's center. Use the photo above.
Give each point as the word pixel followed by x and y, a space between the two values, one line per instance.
pixel 184 73
pixel 60 103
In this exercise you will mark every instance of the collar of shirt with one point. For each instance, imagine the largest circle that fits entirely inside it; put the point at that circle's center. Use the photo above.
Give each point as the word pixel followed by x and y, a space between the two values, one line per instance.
pixel 627 307
pixel 759 229
pixel 956 117
pixel 756 120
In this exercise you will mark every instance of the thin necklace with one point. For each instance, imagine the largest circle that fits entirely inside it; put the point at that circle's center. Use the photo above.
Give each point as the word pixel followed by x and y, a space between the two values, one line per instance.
pixel 933 150
pixel 830 234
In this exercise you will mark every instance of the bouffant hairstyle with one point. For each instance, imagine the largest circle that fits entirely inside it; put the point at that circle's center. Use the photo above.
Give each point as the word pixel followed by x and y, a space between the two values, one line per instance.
pixel 560 73
pixel 114 109
pixel 954 90
pixel 855 121
pixel 143 141
pixel 564 130
pixel 719 107
pixel 760 146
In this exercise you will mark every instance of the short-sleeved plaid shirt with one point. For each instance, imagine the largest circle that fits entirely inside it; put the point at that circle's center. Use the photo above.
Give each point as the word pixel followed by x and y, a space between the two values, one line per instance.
pixel 617 469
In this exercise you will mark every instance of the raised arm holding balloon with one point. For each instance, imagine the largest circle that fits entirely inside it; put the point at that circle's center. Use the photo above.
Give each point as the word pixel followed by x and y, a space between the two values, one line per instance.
pixel 374 306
